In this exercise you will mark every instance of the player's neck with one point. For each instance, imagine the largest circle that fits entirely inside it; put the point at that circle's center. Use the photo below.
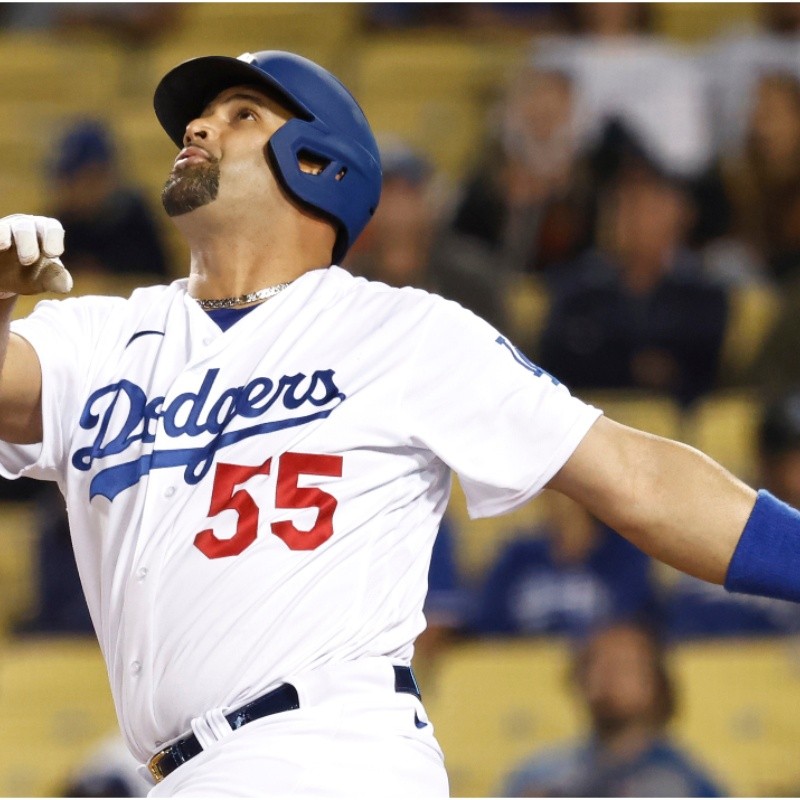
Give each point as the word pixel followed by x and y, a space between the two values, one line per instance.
pixel 233 259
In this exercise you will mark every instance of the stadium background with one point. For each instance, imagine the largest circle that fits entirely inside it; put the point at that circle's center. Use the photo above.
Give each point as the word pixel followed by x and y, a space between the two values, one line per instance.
pixel 739 700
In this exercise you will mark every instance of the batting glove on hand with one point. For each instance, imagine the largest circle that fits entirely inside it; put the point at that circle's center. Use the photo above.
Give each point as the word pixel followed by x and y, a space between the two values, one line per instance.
pixel 30 247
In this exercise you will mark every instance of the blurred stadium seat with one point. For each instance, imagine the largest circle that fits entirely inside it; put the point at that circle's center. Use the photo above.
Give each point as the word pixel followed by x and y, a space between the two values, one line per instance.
pixel 59 73
pixel 494 703
pixel 692 22
pixel 527 304
pixel 17 568
pixel 55 703
pixel 324 32
pixel 753 311
pixel 657 414
pixel 724 426
pixel 433 90
pixel 738 704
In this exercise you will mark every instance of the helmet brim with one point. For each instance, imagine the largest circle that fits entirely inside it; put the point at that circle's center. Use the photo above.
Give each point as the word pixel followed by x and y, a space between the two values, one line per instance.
pixel 186 90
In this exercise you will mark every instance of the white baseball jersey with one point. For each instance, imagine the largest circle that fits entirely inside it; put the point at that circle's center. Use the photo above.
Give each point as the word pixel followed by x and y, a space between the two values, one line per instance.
pixel 251 504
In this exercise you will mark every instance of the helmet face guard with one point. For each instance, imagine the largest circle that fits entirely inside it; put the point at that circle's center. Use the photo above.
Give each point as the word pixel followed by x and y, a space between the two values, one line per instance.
pixel 329 128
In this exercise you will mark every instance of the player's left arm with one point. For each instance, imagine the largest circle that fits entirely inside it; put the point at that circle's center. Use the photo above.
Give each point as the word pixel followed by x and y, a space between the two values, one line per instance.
pixel 676 504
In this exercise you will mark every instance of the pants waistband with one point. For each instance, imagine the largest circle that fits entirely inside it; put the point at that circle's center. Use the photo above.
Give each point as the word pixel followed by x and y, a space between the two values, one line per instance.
pixel 283 698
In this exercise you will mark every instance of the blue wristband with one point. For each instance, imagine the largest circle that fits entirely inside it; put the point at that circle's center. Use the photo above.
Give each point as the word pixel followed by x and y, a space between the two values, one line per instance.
pixel 767 558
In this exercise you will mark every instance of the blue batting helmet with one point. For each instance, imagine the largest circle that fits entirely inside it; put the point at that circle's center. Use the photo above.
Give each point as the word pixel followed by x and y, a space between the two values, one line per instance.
pixel 329 128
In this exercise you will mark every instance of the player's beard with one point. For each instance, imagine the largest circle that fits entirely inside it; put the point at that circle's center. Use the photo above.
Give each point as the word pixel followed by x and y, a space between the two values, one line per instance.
pixel 191 187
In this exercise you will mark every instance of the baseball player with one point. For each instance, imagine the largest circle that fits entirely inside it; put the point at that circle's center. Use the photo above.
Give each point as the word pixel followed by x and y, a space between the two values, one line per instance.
pixel 255 459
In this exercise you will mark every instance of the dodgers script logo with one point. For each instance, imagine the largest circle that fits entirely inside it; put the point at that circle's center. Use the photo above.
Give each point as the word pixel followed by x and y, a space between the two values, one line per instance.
pixel 122 415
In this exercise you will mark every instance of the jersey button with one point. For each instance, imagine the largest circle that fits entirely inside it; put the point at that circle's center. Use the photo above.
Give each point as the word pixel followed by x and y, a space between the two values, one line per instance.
pixel 141 573
pixel 169 491
pixel 207 341
pixel 136 667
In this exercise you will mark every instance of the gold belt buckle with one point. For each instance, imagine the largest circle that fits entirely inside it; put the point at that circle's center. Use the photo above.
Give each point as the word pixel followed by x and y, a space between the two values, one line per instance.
pixel 154 765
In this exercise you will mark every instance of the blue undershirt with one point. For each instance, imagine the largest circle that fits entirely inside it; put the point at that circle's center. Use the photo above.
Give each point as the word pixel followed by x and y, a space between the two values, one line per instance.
pixel 228 317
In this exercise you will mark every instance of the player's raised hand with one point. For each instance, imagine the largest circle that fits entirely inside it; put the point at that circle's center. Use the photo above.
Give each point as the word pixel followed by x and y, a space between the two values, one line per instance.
pixel 30 247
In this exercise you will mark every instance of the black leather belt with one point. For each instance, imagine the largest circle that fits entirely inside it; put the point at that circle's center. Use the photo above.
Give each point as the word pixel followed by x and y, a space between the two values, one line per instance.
pixel 284 698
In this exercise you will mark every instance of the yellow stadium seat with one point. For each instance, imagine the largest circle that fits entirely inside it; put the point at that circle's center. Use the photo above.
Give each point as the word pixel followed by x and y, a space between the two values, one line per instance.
pixel 494 703
pixel 17 567
pixel 20 194
pixel 725 427
pixel 430 90
pixel 753 311
pixel 146 153
pixel 446 129
pixel 653 413
pixel 696 22
pixel 59 72
pixel 527 304
pixel 323 32
pixel 738 711
pixel 55 704
pixel 276 26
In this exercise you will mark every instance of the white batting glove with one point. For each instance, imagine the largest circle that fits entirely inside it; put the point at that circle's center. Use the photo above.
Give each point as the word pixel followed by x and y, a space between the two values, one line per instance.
pixel 30 247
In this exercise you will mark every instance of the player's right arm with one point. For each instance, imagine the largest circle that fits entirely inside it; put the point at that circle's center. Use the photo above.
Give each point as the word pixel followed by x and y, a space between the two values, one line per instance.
pixel 29 264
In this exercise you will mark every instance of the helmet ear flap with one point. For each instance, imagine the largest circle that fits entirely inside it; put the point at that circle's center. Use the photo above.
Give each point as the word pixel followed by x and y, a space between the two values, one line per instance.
pixel 345 171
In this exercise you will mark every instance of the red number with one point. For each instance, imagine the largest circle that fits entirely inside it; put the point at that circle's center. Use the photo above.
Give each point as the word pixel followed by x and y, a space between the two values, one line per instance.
pixel 290 495
pixel 225 496
pixel 226 478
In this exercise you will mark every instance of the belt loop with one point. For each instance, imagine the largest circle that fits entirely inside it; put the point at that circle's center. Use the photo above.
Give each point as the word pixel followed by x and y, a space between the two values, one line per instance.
pixel 211 727
pixel 405 681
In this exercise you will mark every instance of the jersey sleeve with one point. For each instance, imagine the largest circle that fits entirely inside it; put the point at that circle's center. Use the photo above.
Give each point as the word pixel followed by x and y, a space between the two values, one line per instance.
pixel 504 425
pixel 65 335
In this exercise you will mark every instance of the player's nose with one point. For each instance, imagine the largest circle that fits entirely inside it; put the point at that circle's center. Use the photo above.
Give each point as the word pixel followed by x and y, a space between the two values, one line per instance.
pixel 197 129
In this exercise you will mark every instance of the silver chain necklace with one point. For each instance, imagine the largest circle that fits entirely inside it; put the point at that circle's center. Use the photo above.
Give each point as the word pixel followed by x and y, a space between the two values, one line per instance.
pixel 242 299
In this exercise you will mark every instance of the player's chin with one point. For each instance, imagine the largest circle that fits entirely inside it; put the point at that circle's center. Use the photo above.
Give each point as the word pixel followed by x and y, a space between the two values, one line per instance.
pixel 190 187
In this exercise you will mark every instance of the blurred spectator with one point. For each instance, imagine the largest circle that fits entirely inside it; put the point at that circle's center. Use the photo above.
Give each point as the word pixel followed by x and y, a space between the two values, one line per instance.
pixel 696 609
pixel 135 24
pixel 637 312
pixel 566 578
pixel 529 205
pixel 735 62
pixel 404 244
pixel 409 15
pixel 526 17
pixel 60 604
pixel 618 71
pixel 764 180
pixel 621 677
pixel 776 369
pixel 609 20
pixel 779 448
pixel 110 228
pixel 518 18
pixel 109 771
